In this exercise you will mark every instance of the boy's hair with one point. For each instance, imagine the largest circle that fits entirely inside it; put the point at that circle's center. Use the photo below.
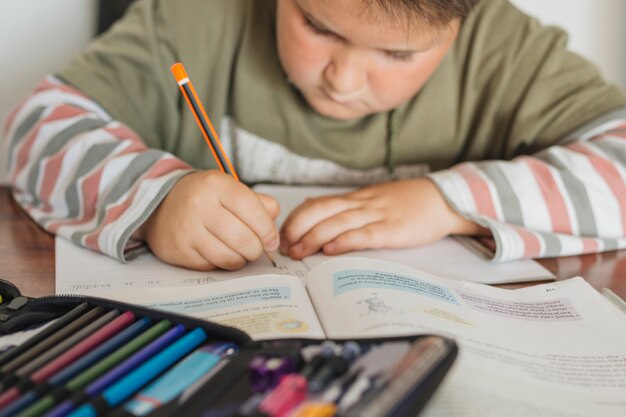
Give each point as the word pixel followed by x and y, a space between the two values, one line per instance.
pixel 433 12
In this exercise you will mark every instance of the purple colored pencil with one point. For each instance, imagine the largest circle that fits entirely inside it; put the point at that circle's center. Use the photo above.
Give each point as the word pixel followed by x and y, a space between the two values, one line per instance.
pixel 131 363
pixel 61 410
pixel 93 341
pixel 100 384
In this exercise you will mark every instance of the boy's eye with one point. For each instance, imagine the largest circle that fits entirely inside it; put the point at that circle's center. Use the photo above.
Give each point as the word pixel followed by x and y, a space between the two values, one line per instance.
pixel 318 30
pixel 400 56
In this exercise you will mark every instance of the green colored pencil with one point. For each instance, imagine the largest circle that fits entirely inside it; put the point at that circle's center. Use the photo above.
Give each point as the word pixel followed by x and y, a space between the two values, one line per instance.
pixel 81 380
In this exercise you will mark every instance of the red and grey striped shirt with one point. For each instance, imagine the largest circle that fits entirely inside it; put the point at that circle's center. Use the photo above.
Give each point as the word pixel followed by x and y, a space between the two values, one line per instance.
pixel 522 136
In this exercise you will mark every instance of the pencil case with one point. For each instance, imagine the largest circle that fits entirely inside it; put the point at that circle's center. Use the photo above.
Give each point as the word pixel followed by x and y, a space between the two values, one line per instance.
pixel 98 357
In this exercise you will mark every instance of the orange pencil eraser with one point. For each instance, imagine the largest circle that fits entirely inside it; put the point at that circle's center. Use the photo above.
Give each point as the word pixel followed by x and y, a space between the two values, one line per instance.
pixel 179 72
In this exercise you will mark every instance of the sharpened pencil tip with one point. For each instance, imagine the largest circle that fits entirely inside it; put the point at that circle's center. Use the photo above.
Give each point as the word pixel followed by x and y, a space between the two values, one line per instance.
pixel 271 259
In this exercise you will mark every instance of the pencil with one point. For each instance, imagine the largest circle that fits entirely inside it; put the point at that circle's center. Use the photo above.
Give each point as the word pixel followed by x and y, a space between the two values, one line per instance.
pixel 42 335
pixel 132 382
pixel 205 125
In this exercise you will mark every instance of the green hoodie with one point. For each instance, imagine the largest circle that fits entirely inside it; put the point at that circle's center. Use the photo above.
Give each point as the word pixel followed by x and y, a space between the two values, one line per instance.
pixel 506 87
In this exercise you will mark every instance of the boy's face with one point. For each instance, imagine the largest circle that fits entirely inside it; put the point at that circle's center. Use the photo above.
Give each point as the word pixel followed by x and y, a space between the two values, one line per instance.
pixel 350 60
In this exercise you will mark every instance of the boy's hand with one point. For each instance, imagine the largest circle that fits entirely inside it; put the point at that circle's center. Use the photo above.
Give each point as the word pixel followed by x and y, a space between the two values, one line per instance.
pixel 391 215
pixel 208 220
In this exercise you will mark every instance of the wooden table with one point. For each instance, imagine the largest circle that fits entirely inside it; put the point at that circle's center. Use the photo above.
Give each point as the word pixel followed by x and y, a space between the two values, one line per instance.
pixel 26 251
pixel 27 257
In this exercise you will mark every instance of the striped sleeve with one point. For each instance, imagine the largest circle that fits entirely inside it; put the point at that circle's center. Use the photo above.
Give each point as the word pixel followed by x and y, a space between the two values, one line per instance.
pixel 565 200
pixel 81 175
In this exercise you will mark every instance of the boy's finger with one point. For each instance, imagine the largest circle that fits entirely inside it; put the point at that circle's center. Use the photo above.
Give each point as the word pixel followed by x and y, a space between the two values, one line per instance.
pixel 304 217
pixel 232 232
pixel 189 258
pixel 245 205
pixel 366 237
pixel 217 253
pixel 329 229
pixel 198 262
pixel 270 204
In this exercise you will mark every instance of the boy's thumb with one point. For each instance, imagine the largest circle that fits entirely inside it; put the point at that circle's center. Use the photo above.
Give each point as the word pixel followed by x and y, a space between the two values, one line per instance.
pixel 271 205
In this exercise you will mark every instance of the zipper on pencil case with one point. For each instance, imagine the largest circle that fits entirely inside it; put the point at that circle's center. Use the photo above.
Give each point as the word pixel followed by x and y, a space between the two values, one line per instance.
pixel 71 300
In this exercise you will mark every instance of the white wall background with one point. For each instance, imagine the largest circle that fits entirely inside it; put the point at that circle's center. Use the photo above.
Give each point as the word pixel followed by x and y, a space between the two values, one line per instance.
pixel 40 36
pixel 37 37
pixel 597 30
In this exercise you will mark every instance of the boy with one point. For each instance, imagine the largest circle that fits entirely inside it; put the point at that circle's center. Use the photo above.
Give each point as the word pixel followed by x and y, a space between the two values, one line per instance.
pixel 371 93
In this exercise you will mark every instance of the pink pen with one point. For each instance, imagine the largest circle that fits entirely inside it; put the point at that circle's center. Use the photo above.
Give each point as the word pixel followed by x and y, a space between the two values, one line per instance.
pixel 290 392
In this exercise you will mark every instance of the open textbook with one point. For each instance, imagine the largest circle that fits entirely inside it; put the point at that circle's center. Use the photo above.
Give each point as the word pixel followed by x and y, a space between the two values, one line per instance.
pixel 556 349
pixel 82 271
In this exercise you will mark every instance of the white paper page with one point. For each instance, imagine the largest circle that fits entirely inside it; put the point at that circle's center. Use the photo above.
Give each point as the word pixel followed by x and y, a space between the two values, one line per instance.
pixel 450 257
pixel 477 392
pixel 615 303
pixel 265 307
pixel 559 338
pixel 81 271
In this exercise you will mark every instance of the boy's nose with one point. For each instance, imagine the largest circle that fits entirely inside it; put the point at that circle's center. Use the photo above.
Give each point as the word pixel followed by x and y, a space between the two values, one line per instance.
pixel 345 74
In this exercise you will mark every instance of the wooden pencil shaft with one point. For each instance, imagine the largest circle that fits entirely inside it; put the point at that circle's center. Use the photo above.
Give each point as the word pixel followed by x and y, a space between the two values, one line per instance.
pixel 204 125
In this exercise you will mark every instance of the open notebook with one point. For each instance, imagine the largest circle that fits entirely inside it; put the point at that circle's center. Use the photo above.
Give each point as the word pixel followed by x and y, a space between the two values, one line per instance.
pixel 82 271
pixel 548 350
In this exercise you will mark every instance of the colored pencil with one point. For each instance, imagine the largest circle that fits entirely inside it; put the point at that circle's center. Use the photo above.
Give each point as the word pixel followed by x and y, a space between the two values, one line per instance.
pixel 135 380
pixel 57 325
pixel 179 378
pixel 73 368
pixel 76 352
pixel 66 344
pixel 115 374
pixel 90 375
pixel 13 393
pixel 53 338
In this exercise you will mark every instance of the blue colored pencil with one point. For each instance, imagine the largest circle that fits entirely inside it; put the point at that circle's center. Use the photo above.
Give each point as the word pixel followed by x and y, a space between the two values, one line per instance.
pixel 22 402
pixel 78 366
pixel 179 378
pixel 131 363
pixel 133 382
pixel 100 352
pixel 100 384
